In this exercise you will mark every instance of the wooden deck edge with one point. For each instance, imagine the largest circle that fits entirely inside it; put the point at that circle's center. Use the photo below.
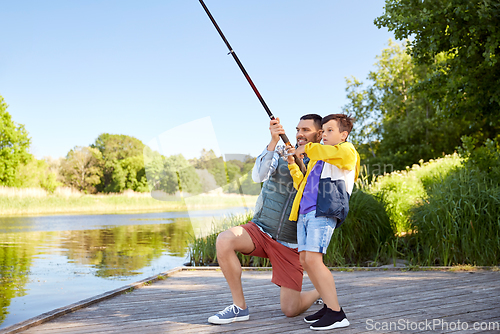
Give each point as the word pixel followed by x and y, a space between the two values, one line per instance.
pixel 32 322
pixel 408 268
pixel 44 317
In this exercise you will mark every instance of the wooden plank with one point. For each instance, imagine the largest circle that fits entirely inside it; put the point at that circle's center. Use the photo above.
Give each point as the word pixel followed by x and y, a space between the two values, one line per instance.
pixel 184 301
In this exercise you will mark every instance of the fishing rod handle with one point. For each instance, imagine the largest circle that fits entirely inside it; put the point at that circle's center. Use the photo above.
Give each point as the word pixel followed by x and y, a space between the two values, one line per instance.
pixel 298 161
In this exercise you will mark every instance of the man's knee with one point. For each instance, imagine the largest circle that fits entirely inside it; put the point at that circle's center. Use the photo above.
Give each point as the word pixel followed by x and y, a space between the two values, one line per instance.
pixel 225 241
pixel 290 310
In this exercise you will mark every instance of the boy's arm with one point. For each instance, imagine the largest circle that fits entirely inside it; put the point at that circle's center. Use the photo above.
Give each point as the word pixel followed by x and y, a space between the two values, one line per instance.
pixel 342 155
pixel 296 174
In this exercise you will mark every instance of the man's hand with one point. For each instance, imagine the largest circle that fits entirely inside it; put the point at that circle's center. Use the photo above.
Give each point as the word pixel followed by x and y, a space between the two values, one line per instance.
pixel 290 158
pixel 276 130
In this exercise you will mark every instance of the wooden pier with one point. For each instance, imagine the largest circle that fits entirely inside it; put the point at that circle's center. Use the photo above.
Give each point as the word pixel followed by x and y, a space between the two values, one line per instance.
pixel 375 301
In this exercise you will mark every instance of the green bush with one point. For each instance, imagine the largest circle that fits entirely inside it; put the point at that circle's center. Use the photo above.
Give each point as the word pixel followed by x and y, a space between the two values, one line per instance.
pixel 459 223
pixel 364 236
pixel 401 191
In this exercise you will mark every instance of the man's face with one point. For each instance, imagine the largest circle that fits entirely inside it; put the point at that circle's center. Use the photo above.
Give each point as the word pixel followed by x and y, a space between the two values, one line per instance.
pixel 331 133
pixel 307 132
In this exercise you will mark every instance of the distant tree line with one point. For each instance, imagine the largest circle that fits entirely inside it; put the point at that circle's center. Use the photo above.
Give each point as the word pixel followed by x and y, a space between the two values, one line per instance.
pixel 115 163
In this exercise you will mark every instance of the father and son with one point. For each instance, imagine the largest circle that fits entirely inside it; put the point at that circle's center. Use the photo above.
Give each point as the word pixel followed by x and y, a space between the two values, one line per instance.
pixel 295 216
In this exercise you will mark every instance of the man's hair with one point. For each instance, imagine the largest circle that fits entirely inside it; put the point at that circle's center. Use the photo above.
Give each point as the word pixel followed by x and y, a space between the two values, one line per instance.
pixel 344 122
pixel 315 117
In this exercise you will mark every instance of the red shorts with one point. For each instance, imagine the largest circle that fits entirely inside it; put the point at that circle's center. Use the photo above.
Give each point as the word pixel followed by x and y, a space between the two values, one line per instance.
pixel 287 270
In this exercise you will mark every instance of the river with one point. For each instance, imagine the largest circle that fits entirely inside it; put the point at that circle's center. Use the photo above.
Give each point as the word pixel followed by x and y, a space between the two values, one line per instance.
pixel 52 261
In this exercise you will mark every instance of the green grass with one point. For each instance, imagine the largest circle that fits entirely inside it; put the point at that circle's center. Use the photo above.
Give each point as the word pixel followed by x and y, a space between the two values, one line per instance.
pixel 401 191
pixel 365 236
pixel 459 222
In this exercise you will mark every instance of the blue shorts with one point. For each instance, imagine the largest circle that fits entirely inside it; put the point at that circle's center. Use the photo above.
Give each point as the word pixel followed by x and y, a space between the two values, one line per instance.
pixel 314 233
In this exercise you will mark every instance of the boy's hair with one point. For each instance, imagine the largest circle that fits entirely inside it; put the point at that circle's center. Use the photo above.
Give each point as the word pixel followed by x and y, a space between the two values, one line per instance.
pixel 345 122
pixel 315 117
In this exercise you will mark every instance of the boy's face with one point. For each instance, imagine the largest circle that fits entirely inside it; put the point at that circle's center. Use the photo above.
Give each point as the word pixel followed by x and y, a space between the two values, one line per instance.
pixel 331 133
pixel 307 132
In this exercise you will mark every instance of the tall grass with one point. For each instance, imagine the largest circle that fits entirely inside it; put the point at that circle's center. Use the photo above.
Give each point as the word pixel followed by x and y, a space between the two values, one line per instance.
pixel 365 236
pixel 401 191
pixel 37 201
pixel 203 250
pixel 459 222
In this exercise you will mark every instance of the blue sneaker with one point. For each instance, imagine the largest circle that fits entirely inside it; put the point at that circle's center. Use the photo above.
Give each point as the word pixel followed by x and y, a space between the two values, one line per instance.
pixel 230 314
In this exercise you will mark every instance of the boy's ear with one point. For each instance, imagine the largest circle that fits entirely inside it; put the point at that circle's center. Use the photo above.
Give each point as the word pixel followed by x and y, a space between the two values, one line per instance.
pixel 344 135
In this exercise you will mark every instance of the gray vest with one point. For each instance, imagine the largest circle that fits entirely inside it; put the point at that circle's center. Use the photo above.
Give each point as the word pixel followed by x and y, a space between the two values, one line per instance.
pixel 274 205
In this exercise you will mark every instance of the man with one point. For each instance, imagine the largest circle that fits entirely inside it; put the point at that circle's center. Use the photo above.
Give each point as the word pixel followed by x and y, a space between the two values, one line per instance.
pixel 270 234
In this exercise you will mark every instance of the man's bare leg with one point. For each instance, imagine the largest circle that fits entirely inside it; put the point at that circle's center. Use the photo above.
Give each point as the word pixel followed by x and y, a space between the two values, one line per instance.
pixel 294 302
pixel 228 242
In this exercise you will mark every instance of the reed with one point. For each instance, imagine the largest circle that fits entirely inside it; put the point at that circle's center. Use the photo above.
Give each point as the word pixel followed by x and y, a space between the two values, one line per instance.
pixel 364 237
pixel 36 201
pixel 401 191
pixel 459 222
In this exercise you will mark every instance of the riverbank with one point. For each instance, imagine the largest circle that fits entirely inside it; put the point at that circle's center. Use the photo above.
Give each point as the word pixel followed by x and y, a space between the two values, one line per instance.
pixel 33 202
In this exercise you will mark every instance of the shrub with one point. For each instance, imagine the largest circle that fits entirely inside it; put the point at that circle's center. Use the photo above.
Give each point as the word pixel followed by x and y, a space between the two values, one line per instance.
pixel 365 234
pixel 459 223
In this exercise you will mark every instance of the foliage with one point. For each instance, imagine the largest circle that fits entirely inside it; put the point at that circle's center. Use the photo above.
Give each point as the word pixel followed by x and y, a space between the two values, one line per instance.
pixel 459 222
pixel 117 147
pixel 214 165
pixel 14 146
pixel 396 125
pixel 202 250
pixel 36 173
pixel 170 174
pixel 401 191
pixel 123 163
pixel 485 158
pixel 82 168
pixel 364 236
pixel 465 81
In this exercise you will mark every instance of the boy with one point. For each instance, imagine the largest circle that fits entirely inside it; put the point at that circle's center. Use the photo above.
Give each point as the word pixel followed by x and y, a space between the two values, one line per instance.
pixel 322 204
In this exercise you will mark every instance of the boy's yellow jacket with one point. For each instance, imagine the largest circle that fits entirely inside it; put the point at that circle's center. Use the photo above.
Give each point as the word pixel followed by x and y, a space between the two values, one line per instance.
pixel 339 173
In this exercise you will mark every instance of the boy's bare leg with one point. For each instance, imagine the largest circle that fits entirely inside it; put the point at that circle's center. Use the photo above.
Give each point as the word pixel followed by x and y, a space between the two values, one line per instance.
pixel 228 242
pixel 321 277
pixel 294 302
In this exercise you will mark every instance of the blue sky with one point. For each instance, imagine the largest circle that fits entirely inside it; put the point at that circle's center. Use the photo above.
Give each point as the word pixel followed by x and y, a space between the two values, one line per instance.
pixel 71 70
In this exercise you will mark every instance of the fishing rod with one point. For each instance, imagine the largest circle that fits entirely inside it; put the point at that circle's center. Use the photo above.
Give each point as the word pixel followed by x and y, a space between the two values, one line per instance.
pixel 240 65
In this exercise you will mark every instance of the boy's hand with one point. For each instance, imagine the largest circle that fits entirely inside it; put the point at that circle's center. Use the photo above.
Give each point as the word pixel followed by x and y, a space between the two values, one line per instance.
pixel 276 130
pixel 292 151
pixel 300 151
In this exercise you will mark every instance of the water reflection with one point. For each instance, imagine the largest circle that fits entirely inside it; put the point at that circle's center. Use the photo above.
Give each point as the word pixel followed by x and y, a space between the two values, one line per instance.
pixel 49 262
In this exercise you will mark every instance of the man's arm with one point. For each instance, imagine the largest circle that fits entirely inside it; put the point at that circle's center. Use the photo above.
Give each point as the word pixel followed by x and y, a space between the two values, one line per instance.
pixel 265 166
pixel 267 162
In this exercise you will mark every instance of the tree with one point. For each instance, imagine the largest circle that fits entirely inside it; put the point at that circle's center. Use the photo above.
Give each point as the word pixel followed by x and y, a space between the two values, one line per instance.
pixel 397 125
pixel 82 168
pixel 116 147
pixel 14 146
pixel 460 41
pixel 170 174
pixel 123 166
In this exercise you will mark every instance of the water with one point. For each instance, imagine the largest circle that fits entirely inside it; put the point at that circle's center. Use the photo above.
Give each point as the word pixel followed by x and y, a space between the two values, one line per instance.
pixel 52 261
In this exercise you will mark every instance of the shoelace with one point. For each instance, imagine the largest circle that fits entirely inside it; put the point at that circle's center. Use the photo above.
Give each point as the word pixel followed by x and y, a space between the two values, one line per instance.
pixel 234 308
